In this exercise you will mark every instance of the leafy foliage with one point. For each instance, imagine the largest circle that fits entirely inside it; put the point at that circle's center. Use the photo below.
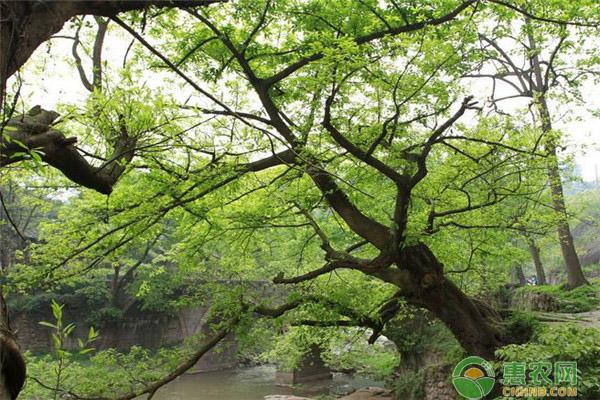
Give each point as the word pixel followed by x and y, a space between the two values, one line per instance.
pixel 559 343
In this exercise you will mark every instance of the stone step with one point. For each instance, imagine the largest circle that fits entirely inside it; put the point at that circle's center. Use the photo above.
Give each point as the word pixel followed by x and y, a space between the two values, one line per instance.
pixel 369 393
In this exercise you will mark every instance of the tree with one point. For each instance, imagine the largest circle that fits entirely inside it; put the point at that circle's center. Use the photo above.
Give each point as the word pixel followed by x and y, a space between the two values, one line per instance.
pixel 27 24
pixel 341 95
pixel 543 49
pixel 534 249
pixel 411 267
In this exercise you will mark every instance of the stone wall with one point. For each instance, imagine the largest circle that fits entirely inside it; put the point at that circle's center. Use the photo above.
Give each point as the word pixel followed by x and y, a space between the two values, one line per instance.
pixel 532 301
pixel 437 385
pixel 143 328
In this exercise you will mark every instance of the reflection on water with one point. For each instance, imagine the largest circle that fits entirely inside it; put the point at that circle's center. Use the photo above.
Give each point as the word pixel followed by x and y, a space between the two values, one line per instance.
pixel 252 383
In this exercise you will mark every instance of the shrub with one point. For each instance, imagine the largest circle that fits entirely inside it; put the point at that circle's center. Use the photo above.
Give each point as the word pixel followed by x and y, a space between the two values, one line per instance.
pixel 564 343
pixel 520 327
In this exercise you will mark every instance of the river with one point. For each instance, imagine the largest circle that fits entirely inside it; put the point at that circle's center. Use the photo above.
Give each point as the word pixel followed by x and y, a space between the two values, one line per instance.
pixel 253 383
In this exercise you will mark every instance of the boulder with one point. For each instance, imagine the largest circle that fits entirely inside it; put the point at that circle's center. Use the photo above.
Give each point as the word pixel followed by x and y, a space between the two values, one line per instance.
pixel 285 397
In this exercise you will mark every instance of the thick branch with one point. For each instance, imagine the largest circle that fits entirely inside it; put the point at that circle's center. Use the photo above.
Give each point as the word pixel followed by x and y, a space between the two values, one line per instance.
pixel 32 133
pixel 329 267
pixel 364 226
pixel 27 24
pixel 341 260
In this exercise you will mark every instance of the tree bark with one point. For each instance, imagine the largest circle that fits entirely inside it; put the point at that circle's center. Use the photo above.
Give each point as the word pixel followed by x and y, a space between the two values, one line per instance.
pixel 476 326
pixel 33 133
pixel 412 355
pixel 12 365
pixel 472 325
pixel 537 261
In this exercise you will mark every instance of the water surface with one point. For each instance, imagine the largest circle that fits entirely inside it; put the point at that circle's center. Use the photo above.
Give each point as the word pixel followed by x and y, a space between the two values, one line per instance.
pixel 253 383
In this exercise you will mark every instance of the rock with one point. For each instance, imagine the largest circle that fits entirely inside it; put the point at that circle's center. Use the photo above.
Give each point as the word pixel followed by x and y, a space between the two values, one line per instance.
pixel 369 393
pixel 285 397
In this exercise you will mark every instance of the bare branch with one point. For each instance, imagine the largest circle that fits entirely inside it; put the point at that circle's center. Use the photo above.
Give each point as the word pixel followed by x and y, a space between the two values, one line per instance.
pixel 97 53
pixel 367 158
pixel 78 62
pixel 422 157
pixel 537 18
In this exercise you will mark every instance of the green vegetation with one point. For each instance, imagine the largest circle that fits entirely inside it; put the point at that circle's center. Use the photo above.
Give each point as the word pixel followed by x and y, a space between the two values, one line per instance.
pixel 137 367
pixel 561 343
pixel 521 326
pixel 581 299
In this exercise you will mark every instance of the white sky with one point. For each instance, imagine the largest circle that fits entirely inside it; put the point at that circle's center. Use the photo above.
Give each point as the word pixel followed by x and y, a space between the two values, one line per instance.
pixel 60 84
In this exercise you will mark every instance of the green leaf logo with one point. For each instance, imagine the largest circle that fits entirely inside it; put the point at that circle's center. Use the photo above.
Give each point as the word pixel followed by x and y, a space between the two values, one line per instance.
pixel 473 378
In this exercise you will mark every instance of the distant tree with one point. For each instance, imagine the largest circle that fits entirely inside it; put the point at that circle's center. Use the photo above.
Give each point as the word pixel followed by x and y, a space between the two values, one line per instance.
pixel 542 63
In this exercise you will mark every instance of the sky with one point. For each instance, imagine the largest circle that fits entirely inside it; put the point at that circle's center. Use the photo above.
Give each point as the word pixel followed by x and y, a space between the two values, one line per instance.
pixel 60 84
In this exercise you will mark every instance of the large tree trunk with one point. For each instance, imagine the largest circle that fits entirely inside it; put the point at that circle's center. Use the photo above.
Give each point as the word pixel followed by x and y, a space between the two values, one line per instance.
pixel 476 326
pixel 12 365
pixel 412 357
pixel 537 261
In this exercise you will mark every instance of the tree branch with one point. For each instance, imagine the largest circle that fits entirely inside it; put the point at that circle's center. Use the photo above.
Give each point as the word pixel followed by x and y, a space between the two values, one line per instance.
pixel 32 132
pixel 357 152
pixel 364 226
pixel 422 158
pixel 37 21
pixel 535 17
